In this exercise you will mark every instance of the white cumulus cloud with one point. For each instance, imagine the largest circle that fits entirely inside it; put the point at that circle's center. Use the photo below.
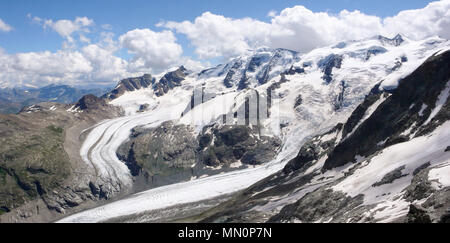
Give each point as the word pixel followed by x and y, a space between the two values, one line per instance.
pixel 301 29
pixel 434 19
pixel 67 28
pixel 154 50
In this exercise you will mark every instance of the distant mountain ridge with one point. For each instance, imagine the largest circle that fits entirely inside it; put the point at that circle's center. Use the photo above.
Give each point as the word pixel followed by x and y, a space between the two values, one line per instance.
pixel 12 100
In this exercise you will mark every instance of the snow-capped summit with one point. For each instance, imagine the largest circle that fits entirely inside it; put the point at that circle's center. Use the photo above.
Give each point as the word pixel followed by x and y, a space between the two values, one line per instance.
pixel 253 69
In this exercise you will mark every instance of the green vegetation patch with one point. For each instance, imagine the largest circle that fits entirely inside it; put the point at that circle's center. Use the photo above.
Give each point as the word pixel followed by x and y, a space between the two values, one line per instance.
pixel 32 163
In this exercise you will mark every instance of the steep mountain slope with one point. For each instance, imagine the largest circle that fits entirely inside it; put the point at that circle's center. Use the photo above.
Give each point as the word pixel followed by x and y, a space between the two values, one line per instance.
pixel 392 166
pixel 41 172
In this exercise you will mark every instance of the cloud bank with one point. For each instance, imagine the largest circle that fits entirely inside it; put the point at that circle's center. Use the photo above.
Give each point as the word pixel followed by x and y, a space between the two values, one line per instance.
pixel 298 28
pixel 212 36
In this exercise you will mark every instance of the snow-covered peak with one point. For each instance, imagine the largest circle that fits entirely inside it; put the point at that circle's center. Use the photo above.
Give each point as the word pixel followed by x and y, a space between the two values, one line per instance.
pixel 251 70
pixel 334 77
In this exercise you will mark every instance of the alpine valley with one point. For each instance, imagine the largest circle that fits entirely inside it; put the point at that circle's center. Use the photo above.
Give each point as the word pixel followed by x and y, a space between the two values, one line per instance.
pixel 354 132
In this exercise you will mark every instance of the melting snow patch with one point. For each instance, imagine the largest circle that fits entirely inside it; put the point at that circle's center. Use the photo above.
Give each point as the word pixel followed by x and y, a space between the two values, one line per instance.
pixel 74 109
pixel 441 174
pixel 442 98
pixel 424 106
pixel 410 154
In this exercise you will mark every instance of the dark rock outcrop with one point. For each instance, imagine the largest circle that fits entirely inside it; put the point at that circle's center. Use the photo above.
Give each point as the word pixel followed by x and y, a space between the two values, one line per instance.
pixel 391 177
pixel 294 70
pixel 228 81
pixel 394 115
pixel 417 215
pixel 298 101
pixel 339 103
pixel 327 64
pixel 312 151
pixel 90 102
pixel 373 51
pixel 162 154
pixel 170 80
pixel 130 84
pixel 234 143
pixel 319 205
pixel 396 41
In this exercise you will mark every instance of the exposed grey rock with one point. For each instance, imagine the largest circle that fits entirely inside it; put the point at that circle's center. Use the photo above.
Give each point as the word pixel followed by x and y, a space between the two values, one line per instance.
pixel 396 41
pixel 394 115
pixel 322 204
pixel 308 153
pixel 420 168
pixel 359 112
pixel 373 51
pixel 312 151
pixel 234 143
pixel 390 177
pixel 445 218
pixel 298 101
pixel 327 64
pixel 417 215
pixel 420 186
pixel 90 102
pixel 130 84
pixel 165 153
pixel 169 81
pixel 339 103
pixel 256 61
pixel 143 107
pixel 294 70
pixel 228 81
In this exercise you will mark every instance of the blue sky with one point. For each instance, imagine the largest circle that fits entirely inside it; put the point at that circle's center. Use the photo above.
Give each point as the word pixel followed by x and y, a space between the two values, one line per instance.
pixel 101 41
pixel 127 15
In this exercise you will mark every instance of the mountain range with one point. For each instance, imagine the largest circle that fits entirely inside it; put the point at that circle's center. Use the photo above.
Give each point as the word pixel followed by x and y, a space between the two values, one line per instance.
pixel 353 132
pixel 12 100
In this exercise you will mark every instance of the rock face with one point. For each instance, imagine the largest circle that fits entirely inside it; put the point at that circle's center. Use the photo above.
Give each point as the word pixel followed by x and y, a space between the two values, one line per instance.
pixel 90 102
pixel 327 64
pixel 230 144
pixel 393 116
pixel 170 80
pixel 162 155
pixel 313 150
pixel 256 69
pixel 358 114
pixel 419 216
pixel 228 81
pixel 307 189
pixel 171 153
pixel 130 84
pixel 391 177
pixel 396 41
pixel 374 50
